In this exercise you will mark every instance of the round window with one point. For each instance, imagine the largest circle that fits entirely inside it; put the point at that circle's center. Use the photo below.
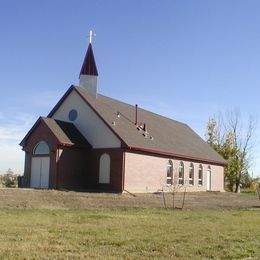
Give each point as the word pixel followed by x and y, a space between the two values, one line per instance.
pixel 73 114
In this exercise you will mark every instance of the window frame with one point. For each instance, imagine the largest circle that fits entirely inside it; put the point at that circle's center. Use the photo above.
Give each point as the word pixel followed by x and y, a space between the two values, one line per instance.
pixel 200 171
pixel 191 174
pixel 169 176
pixel 181 171
pixel 40 153
pixel 104 175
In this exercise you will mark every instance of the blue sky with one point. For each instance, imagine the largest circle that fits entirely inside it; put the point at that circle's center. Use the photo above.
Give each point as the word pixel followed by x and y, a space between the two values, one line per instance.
pixel 184 59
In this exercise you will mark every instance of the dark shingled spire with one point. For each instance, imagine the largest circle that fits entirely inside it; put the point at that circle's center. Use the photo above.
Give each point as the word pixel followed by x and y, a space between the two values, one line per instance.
pixel 89 65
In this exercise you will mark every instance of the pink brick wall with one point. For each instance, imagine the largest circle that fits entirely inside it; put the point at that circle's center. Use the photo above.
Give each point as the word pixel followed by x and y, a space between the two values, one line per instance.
pixel 145 173
pixel 217 178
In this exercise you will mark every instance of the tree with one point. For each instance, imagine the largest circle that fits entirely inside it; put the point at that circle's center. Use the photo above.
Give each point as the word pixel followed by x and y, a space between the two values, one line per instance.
pixel 234 142
pixel 246 180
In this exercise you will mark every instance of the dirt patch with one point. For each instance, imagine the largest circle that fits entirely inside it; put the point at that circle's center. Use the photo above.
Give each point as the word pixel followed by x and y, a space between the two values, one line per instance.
pixel 30 198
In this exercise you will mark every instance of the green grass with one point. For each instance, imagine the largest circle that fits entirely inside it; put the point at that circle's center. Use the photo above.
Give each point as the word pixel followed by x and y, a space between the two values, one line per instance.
pixel 247 191
pixel 129 234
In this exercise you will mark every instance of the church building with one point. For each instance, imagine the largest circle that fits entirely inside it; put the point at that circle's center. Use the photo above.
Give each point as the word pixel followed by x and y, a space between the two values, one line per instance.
pixel 96 143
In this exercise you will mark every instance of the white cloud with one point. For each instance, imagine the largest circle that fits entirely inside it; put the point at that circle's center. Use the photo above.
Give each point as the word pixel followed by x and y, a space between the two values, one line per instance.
pixel 11 156
pixel 12 130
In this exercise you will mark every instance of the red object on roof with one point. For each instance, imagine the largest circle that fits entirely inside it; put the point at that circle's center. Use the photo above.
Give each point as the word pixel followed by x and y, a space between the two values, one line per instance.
pixel 89 65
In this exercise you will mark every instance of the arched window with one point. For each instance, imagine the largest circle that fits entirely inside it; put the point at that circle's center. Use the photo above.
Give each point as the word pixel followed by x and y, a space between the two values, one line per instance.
pixel 209 178
pixel 169 173
pixel 191 174
pixel 200 176
pixel 104 169
pixel 181 173
pixel 41 148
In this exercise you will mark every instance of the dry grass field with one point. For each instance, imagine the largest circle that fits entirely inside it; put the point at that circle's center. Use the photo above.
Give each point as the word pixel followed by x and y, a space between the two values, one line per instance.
pixel 45 224
pixel 53 199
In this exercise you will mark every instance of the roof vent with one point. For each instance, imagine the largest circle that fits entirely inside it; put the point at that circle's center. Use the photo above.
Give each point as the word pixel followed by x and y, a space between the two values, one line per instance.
pixel 118 114
pixel 151 137
pixel 145 134
pixel 145 127
pixel 141 126
pixel 113 123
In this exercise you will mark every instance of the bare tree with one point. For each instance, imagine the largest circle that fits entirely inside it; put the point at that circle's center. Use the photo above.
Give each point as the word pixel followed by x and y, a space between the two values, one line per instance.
pixel 244 142
pixel 172 189
pixel 235 141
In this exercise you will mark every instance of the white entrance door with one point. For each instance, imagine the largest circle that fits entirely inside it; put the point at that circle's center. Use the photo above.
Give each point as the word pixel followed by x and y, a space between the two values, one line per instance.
pixel 40 172
pixel 208 180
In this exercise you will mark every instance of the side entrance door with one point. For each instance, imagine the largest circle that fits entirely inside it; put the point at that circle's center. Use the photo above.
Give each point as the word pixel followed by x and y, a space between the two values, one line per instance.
pixel 40 170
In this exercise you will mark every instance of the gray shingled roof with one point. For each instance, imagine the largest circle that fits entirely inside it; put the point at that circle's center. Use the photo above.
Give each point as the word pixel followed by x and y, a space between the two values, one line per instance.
pixel 66 133
pixel 164 135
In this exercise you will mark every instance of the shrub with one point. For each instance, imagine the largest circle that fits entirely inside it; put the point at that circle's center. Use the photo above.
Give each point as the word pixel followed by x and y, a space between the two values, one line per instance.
pixel 9 179
pixel 254 185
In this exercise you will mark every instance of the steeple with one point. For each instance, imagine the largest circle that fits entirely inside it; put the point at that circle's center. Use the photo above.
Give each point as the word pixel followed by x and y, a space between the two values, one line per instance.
pixel 88 73
pixel 89 65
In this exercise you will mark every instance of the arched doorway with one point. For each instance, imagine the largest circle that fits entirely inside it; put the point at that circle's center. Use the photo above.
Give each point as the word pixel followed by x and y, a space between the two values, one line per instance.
pixel 40 167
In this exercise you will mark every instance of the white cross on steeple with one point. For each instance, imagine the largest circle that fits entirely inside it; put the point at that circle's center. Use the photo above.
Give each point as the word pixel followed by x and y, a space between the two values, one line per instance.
pixel 91 35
